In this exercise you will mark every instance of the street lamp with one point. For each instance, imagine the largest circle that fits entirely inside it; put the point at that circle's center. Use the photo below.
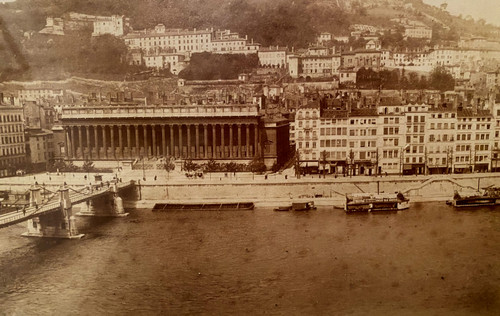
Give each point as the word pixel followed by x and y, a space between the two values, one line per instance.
pixel 402 157
pixel 143 170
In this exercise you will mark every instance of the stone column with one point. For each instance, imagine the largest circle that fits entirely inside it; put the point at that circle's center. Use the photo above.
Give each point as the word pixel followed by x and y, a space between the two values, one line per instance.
pixel 87 134
pixel 197 141
pixel 239 140
pixel 163 141
pixel 104 145
pixel 153 139
pixel 188 127
pixel 247 144
pixel 145 129
pixel 180 139
pixel 68 150
pixel 222 142
pixel 172 144
pixel 214 141
pixel 231 141
pixel 120 141
pixel 79 129
pixel 96 142
pixel 129 147
pixel 205 138
pixel 112 135
pixel 256 139
pixel 137 146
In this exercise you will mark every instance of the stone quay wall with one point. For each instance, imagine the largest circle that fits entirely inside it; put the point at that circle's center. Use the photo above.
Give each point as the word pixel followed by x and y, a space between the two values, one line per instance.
pixel 322 191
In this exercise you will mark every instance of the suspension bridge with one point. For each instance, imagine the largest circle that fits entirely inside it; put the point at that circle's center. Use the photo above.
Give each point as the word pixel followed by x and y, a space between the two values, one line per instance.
pixel 50 214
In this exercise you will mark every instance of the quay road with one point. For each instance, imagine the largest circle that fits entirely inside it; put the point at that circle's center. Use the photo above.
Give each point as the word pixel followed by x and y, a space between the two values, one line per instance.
pixel 53 204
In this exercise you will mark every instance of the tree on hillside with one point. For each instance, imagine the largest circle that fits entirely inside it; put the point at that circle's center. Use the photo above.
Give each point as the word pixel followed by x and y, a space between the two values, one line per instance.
pixel 208 66
pixel 441 79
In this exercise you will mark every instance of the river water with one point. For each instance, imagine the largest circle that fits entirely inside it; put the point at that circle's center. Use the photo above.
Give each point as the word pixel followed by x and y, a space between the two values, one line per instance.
pixel 428 260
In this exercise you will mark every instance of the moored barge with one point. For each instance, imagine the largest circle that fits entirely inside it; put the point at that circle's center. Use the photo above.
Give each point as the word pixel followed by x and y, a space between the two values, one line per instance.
pixel 372 202
pixel 158 207
pixel 490 197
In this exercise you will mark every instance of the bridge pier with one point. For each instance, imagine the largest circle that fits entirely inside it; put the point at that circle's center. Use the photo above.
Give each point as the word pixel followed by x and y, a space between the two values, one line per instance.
pixel 53 225
pixel 105 206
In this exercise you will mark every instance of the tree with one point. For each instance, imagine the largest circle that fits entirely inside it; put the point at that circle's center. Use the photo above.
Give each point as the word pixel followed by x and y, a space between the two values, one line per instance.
pixel 211 166
pixel 189 165
pixel 88 166
pixel 257 165
pixel 169 166
pixel 441 79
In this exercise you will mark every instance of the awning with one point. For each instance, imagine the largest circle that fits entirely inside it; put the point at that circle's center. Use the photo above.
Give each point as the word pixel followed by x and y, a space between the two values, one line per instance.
pixel 305 164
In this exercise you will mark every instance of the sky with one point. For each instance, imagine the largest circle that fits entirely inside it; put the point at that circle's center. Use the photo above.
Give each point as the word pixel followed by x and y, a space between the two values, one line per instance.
pixel 489 10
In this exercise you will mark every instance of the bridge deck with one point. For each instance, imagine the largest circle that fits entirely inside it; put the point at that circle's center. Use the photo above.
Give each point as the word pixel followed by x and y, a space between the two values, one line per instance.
pixel 53 205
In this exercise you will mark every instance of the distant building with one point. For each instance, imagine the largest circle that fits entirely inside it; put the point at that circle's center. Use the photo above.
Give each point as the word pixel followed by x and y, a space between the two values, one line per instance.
pixel 98 25
pixel 12 144
pixel 189 41
pixel 274 56
pixel 324 37
pixel 39 93
pixel 116 25
pixel 475 133
pixel 40 149
pixel 172 61
pixel 418 32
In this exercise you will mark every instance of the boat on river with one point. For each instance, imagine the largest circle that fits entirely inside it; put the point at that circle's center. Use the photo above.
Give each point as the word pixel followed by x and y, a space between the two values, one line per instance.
pixel 373 202
pixel 297 206
pixel 489 197
pixel 159 207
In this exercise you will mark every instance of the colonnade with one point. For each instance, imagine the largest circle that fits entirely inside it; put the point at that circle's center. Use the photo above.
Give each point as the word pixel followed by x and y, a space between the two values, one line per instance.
pixel 195 141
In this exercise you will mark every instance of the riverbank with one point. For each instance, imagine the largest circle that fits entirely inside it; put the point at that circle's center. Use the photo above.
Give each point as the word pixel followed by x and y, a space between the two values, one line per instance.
pixel 264 190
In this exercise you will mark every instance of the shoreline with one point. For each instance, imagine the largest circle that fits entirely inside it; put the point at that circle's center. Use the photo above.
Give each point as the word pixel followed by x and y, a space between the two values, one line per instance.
pixel 271 190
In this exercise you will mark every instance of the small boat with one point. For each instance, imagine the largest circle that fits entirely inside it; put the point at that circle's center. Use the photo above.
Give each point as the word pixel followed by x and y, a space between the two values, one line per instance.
pixel 297 206
pixel 490 197
pixel 372 202
pixel 158 207
pixel 303 206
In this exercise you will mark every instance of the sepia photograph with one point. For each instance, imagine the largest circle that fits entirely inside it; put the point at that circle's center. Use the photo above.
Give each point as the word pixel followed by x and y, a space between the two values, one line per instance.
pixel 249 157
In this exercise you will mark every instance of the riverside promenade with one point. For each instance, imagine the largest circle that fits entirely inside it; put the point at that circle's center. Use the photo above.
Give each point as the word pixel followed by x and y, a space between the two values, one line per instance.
pixel 264 189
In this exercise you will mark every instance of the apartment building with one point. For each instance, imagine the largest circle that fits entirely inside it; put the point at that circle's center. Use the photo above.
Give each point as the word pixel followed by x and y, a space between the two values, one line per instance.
pixel 475 138
pixel 40 146
pixel 333 140
pixel 440 137
pixel 414 154
pixel 495 163
pixel 12 145
pixel 362 145
pixel 391 140
pixel 307 121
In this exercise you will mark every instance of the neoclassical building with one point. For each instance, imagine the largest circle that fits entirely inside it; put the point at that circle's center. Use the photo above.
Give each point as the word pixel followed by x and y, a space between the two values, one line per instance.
pixel 118 132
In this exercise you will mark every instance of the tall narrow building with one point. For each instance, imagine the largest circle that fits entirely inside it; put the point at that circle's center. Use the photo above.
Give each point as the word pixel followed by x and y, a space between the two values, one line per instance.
pixel 12 145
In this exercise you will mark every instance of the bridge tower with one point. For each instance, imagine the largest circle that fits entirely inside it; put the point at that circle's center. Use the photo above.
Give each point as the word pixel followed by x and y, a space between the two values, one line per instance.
pixel 104 206
pixel 56 224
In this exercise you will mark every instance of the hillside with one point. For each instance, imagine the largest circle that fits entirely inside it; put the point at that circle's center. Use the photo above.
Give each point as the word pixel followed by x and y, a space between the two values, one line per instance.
pixel 278 22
